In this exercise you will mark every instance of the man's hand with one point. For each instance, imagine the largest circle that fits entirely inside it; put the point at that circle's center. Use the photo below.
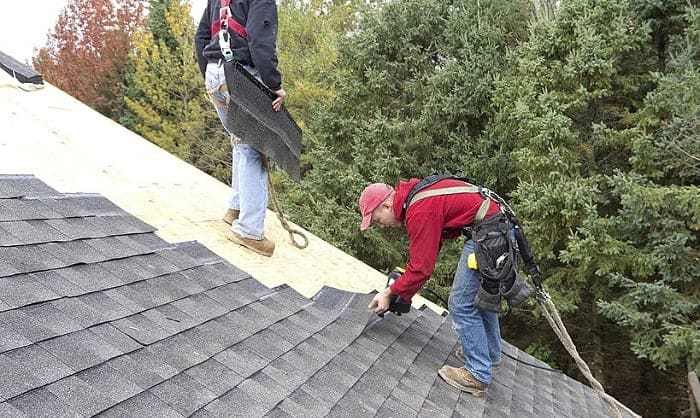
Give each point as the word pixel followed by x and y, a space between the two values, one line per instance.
pixel 380 302
pixel 277 103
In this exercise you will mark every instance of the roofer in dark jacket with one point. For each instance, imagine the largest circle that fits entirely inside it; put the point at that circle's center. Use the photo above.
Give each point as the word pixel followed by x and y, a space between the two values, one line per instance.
pixel 428 221
pixel 252 33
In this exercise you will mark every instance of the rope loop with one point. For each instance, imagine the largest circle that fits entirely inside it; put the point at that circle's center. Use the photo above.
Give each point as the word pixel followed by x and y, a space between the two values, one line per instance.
pixel 294 241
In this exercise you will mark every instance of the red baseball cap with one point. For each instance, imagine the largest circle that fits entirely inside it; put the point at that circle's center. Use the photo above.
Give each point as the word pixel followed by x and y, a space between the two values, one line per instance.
pixel 370 199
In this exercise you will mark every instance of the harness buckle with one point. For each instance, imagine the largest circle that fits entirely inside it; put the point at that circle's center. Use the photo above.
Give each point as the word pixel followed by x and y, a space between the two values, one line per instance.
pixel 467 232
pixel 225 45
pixel 224 16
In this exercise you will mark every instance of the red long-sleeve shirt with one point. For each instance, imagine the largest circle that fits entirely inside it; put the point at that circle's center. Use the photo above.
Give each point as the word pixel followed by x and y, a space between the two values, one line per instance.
pixel 426 220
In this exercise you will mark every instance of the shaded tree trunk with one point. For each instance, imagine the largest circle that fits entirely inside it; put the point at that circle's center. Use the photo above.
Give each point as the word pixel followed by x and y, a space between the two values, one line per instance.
pixel 598 362
pixel 692 396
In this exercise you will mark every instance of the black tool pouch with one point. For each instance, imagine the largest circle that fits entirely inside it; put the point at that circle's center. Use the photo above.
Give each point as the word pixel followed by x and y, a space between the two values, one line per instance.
pixel 496 257
pixel 518 292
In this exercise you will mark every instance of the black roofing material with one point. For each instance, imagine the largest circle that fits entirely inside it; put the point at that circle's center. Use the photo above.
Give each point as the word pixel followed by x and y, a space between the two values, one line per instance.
pixel 252 119
pixel 110 320
pixel 18 185
pixel 21 72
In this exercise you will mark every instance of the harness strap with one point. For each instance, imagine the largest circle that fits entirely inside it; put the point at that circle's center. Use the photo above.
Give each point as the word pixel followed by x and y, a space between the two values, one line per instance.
pixel 221 88
pixel 480 214
pixel 227 22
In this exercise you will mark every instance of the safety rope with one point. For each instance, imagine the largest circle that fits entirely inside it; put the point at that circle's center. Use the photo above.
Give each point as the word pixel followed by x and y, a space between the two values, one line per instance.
pixel 550 312
pixel 278 209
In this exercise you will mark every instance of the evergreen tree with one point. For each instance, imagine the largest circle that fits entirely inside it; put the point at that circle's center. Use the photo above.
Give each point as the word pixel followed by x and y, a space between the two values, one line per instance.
pixel 576 86
pixel 656 232
pixel 603 228
pixel 309 32
pixel 166 99
pixel 665 20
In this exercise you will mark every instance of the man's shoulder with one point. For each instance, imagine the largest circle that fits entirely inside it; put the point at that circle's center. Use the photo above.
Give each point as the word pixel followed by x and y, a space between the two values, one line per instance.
pixel 407 185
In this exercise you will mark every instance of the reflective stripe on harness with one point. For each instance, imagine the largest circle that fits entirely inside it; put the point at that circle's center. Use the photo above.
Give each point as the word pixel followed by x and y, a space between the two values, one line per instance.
pixel 480 214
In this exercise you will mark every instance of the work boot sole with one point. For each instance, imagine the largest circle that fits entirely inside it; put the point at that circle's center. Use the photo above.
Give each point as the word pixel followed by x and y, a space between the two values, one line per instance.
pixel 233 237
pixel 473 391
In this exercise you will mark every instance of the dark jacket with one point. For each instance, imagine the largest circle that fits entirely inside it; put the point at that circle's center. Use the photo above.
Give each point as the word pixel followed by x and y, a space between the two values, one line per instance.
pixel 259 17
pixel 426 224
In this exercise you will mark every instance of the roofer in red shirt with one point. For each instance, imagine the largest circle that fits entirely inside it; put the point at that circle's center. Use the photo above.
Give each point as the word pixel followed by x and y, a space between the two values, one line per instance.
pixel 438 208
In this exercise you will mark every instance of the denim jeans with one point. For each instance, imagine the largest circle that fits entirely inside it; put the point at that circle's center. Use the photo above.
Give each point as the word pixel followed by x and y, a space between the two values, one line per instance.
pixel 478 331
pixel 248 175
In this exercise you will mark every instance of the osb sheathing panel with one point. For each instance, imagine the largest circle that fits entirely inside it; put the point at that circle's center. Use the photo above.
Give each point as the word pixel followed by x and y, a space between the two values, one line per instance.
pixel 74 149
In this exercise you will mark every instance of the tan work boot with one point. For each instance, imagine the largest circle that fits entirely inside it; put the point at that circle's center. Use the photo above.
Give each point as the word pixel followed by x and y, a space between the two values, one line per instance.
pixel 231 215
pixel 460 356
pixel 261 246
pixel 462 379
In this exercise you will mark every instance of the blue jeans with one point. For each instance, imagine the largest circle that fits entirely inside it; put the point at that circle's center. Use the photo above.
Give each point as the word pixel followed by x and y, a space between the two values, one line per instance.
pixel 478 331
pixel 248 175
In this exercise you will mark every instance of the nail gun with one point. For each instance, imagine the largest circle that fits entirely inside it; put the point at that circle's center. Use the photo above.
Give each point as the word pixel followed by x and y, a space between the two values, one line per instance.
pixel 397 304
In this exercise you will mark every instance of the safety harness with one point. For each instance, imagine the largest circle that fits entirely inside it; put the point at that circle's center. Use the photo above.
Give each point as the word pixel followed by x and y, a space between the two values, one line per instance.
pixel 417 193
pixel 220 28
pixel 497 243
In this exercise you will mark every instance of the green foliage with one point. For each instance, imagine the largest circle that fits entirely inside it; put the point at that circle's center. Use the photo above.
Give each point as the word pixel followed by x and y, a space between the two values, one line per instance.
pixel 158 22
pixel 606 154
pixel 565 110
pixel 657 228
pixel 309 34
pixel 668 148
pixel 542 352
pixel 653 264
pixel 166 98
pixel 665 20
pixel 411 97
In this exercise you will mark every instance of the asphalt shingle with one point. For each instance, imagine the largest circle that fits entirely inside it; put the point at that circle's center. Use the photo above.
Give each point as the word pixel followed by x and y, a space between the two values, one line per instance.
pixel 109 382
pixel 18 185
pixel 9 411
pixel 183 393
pixel 21 323
pixel 20 210
pixel 143 404
pixel 21 289
pixel 214 376
pixel 37 366
pixel 80 396
pixel 42 403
